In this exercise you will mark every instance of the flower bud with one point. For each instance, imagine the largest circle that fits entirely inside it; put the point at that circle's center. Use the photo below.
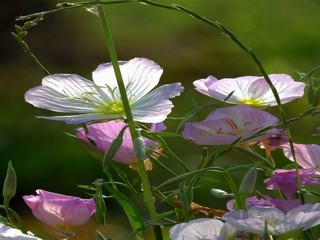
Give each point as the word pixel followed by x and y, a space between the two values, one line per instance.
pixel 248 182
pixel 220 193
pixel 10 185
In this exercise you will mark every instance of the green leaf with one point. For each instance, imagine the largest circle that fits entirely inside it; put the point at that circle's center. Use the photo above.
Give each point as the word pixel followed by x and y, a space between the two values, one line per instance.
pixel 135 218
pixel 100 207
pixel 186 197
pixel 188 175
pixel 248 184
pixel 99 236
pixel 112 150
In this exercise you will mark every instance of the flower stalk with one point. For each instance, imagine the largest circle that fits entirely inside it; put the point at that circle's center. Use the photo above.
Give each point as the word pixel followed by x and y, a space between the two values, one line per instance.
pixel 134 134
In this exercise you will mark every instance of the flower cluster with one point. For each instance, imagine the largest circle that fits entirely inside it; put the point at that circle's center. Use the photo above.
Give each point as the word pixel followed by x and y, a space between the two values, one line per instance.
pixel 122 122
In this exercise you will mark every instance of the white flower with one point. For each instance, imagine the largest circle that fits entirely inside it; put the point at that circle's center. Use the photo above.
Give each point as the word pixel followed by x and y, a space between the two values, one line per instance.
pixel 13 233
pixel 202 229
pixel 251 90
pixel 253 220
pixel 100 99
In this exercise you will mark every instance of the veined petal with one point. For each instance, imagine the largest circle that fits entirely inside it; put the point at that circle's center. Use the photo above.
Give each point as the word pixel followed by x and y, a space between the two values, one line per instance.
pixel 301 218
pixel 252 90
pixel 140 76
pixel 225 125
pixel 82 118
pixel 287 89
pixel 307 155
pixel 239 86
pixel 202 228
pixel 67 93
pixel 203 85
pixel 155 106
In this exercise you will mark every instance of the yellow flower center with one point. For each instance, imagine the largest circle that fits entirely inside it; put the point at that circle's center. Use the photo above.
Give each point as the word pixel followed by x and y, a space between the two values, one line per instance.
pixel 251 101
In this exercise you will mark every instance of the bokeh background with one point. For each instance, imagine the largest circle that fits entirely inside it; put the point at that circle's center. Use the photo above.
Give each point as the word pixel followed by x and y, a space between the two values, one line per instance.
pixel 284 34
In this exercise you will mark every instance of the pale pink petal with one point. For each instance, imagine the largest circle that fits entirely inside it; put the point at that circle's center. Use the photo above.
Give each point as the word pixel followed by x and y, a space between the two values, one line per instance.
pixel 202 228
pixel 225 125
pixel 203 85
pixel 140 76
pixel 307 155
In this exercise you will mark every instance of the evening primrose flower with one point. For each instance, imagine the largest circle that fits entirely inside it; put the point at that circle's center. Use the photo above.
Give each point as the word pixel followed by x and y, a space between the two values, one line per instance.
pixel 102 134
pixel 266 201
pixel 286 180
pixel 254 219
pixel 58 211
pixel 225 125
pixel 251 90
pixel 202 228
pixel 307 155
pixel 85 101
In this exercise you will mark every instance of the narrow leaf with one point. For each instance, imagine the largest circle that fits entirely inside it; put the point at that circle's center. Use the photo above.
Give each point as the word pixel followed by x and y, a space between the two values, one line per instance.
pixel 112 150
pixel 135 218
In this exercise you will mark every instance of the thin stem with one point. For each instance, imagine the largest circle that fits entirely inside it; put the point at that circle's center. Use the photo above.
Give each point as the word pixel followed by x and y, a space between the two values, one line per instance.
pixel 125 102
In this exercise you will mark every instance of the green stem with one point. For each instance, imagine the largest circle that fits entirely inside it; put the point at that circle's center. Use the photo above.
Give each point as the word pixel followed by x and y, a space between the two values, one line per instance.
pixel 232 185
pixel 125 102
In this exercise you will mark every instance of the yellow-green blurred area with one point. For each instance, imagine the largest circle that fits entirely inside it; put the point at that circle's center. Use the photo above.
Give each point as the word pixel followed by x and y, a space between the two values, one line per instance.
pixel 284 34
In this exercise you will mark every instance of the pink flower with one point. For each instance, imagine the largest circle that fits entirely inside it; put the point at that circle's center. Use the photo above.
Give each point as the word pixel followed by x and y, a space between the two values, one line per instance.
pixel 266 201
pixel 102 134
pixel 251 90
pixel 225 125
pixel 256 219
pixel 60 211
pixel 307 155
pixel 286 180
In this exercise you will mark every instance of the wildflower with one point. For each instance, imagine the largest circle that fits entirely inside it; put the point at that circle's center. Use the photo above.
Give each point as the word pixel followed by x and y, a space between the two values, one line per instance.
pixel 251 90
pixel 60 211
pixel 7 232
pixel 225 125
pixel 102 134
pixel 100 99
pixel 254 219
pixel 266 201
pixel 286 180
pixel 307 155
pixel 202 228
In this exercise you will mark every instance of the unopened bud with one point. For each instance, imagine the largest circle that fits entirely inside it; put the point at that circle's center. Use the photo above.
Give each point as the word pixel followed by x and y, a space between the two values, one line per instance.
pixel 248 182
pixel 220 193
pixel 10 184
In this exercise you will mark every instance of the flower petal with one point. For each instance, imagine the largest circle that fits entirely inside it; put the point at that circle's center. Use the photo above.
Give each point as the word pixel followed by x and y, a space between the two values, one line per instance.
pixel 307 155
pixel 203 85
pixel 68 93
pixel 140 76
pixel 225 125
pixel 202 228
pixel 155 106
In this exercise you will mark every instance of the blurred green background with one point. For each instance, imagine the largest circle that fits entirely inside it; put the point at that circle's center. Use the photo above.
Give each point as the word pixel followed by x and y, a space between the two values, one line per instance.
pixel 284 34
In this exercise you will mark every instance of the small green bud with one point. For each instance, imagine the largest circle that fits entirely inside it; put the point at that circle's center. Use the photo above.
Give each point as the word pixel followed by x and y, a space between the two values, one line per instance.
pixel 220 193
pixel 139 147
pixel 10 185
pixel 248 182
